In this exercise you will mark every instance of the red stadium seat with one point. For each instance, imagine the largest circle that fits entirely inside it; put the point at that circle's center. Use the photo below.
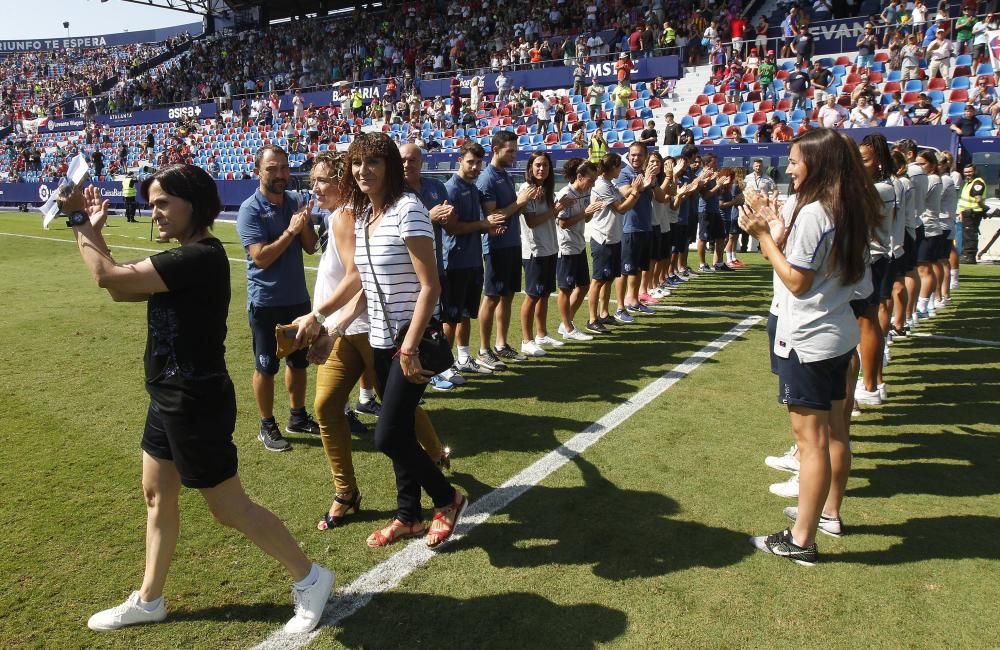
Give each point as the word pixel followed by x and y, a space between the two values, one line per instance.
pixel 719 98
pixel 882 57
pixel 730 108
pixel 892 87
pixel 937 83
pixel 784 105
pixel 908 98
pixel 960 95
pixel 760 117
pixel 654 103
pixel 704 121
pixel 766 106
pixel 701 100
pixel 694 111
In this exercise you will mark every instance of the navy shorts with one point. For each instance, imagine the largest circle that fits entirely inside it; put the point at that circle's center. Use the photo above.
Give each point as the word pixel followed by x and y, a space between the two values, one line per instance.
pixel 607 260
pixel 502 271
pixel 897 269
pixel 813 385
pixel 947 245
pixel 680 237
pixel 540 276
pixel 929 249
pixel 772 331
pixel 572 271
pixel 263 320
pixel 635 252
pixel 910 251
pixel 656 244
pixel 710 227
pixel 199 442
pixel 460 294
pixel 881 281
pixel 733 226
pixel 667 243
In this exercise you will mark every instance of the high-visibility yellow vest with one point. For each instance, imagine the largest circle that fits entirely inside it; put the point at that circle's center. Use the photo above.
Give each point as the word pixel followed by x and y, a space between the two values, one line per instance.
pixel 128 188
pixel 597 150
pixel 967 202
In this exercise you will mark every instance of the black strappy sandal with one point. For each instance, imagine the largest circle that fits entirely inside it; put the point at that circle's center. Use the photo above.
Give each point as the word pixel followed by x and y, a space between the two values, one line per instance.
pixel 329 521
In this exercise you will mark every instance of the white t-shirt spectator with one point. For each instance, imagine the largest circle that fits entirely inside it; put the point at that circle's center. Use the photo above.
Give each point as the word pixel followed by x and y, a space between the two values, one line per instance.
pixel 831 117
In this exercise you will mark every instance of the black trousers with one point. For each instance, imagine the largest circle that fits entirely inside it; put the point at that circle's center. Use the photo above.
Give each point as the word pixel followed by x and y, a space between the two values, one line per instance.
pixel 130 208
pixel 396 438
pixel 970 236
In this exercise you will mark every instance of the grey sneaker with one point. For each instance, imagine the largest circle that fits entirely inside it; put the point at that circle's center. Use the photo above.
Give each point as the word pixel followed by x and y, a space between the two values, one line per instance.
pixel 490 360
pixel 128 613
pixel 302 425
pixel 507 352
pixel 832 526
pixel 781 544
pixel 472 367
pixel 271 436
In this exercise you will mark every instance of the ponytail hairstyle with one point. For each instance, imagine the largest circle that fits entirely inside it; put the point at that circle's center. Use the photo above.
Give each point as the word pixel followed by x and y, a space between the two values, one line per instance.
pixel 838 181
pixel 609 162
pixel 883 156
pixel 899 162
pixel 576 166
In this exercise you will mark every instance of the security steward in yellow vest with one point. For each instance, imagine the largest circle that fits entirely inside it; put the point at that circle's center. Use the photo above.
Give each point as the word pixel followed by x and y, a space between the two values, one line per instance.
pixel 972 208
pixel 128 193
pixel 598 146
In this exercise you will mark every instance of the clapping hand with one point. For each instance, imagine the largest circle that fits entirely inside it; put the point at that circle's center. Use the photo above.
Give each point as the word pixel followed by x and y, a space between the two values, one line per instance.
pixel 759 215
pixel 442 214
pixel 301 218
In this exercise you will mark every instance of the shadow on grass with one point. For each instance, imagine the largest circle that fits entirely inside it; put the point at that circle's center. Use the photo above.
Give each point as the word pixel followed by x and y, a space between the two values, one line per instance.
pixel 621 534
pixel 960 537
pixel 973 465
pixel 507 620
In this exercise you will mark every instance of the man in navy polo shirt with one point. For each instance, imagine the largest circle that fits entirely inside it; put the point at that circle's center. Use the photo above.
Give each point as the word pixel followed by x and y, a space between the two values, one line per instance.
pixel 462 252
pixel 501 251
pixel 433 195
pixel 274 231
pixel 637 228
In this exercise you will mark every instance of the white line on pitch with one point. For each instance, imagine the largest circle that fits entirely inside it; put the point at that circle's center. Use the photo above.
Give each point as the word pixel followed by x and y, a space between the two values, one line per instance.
pixel 955 338
pixel 390 573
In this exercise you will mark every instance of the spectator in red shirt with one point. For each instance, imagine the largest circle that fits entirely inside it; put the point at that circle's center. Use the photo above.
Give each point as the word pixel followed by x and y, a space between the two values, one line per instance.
pixel 623 67
pixel 737 25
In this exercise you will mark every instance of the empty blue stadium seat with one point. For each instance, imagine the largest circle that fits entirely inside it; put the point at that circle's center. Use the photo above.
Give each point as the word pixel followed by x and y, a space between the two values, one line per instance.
pixel 963 59
pixel 960 83
pixel 913 86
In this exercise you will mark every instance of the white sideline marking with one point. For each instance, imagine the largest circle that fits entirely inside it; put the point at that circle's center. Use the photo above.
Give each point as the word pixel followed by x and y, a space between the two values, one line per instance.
pixel 955 338
pixel 234 260
pixel 390 573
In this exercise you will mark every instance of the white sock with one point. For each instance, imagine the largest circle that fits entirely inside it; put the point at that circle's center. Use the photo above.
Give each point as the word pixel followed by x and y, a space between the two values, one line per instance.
pixel 921 304
pixel 152 605
pixel 463 353
pixel 309 580
pixel 367 395
pixel 954 274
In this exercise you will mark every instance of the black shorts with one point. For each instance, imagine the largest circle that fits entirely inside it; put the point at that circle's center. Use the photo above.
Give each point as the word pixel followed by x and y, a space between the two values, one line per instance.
pixel 502 275
pixel 667 243
pixel 813 385
pixel 635 252
pixel 265 347
pixel 710 227
pixel 656 245
pixel 881 281
pixel 607 260
pixel 679 231
pixel 572 271
pixel 772 331
pixel 540 276
pixel 910 252
pixel 199 443
pixel 929 249
pixel 947 245
pixel 461 292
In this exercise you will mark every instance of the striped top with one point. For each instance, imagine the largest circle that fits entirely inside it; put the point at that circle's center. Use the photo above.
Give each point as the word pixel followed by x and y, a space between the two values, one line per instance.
pixel 404 219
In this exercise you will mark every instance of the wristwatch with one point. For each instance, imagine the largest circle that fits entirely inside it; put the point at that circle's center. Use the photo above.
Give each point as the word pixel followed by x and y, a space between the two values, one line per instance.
pixel 318 316
pixel 78 218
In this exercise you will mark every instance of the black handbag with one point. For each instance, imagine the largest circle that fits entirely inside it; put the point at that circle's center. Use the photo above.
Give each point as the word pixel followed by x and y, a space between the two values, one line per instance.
pixel 434 349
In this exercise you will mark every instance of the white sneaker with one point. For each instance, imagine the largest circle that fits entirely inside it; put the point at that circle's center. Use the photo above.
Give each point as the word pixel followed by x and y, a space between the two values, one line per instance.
pixel 886 356
pixel 855 411
pixel 542 341
pixel 882 392
pixel 577 335
pixel 453 376
pixel 954 283
pixel 531 349
pixel 310 602
pixel 128 613
pixel 940 304
pixel 788 489
pixel 871 398
pixel 659 293
pixel 786 463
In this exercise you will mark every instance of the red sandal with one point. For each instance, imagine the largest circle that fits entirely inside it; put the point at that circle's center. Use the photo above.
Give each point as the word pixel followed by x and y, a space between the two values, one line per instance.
pixel 397 531
pixel 441 528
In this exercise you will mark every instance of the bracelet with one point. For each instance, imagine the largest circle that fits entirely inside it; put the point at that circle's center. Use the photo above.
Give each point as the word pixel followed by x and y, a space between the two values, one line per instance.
pixel 408 354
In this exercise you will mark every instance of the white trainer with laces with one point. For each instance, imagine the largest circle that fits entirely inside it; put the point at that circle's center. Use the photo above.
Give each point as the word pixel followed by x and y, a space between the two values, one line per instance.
pixel 577 335
pixel 785 463
pixel 788 489
pixel 542 341
pixel 869 397
pixel 310 602
pixel 128 613
pixel 531 349
pixel 882 392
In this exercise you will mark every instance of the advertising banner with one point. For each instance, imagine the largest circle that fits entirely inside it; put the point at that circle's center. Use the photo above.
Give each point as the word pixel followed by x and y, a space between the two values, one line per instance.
pixel 200 111
pixel 101 40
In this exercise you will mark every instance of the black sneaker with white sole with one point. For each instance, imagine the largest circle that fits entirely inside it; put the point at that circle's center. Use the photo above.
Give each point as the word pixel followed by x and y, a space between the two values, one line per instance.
pixel 490 360
pixel 271 436
pixel 302 424
pixel 781 544
pixel 371 407
pixel 353 423
pixel 832 526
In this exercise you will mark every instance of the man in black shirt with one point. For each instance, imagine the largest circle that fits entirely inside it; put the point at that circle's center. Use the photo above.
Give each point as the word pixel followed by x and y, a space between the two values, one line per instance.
pixel 820 78
pixel 671 130
pixel 766 129
pixel 648 135
pixel 924 112
pixel 798 85
pixel 966 125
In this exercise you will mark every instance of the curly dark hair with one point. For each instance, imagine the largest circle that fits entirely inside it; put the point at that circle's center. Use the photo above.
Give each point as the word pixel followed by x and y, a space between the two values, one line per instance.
pixel 372 145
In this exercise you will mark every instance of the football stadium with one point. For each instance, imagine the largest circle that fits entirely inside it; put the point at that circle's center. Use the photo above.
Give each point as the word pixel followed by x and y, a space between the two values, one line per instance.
pixel 665 324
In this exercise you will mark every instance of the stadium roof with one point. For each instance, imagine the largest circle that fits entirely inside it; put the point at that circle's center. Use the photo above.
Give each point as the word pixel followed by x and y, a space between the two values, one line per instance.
pixel 273 9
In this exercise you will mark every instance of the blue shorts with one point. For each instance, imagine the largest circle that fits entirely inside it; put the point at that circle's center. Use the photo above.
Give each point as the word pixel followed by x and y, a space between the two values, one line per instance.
pixel 572 271
pixel 679 233
pixel 460 294
pixel 732 226
pixel 502 275
pixel 540 276
pixel 710 227
pixel 263 320
pixel 607 260
pixel 635 252
pixel 813 385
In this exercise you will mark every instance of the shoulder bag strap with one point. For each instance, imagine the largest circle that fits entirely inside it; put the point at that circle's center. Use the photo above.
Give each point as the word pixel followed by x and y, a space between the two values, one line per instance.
pixel 378 287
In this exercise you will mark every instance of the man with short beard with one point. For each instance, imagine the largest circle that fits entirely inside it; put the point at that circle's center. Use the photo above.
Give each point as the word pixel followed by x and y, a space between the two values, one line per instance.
pixel 274 230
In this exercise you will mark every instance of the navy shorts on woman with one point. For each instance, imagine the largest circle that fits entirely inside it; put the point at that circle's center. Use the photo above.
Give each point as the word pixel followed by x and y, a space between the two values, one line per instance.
pixel 607 260
pixel 572 271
